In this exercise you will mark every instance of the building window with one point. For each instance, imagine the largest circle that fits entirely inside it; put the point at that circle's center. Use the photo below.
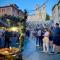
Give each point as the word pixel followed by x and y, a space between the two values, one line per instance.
pixel 59 14
pixel 0 10
pixel 58 7
pixel 3 10
pixel 8 8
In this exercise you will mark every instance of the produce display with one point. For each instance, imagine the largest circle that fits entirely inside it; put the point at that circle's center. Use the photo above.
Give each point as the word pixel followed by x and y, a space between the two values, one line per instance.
pixel 8 51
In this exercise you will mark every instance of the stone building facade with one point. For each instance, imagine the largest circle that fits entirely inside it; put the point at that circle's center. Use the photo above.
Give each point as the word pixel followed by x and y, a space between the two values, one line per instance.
pixel 12 9
pixel 56 13
pixel 39 15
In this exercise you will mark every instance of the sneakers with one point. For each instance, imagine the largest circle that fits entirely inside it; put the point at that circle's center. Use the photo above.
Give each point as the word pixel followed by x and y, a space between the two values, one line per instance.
pixel 54 52
pixel 37 45
pixel 44 52
pixel 58 52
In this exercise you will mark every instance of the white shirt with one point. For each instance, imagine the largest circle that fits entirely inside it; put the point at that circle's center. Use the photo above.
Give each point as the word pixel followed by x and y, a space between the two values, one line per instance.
pixel 46 33
pixel 39 33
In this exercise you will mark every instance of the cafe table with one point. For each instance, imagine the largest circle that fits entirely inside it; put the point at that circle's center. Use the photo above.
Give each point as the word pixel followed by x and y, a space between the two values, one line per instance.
pixel 8 53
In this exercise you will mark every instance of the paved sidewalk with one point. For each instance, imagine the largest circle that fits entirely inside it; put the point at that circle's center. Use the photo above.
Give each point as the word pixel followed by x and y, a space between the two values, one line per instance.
pixel 31 53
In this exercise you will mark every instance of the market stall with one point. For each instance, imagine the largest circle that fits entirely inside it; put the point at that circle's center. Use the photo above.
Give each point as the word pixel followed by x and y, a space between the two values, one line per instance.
pixel 10 52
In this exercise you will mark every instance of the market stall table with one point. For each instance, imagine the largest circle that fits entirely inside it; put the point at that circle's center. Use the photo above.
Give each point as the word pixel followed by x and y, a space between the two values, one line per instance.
pixel 8 52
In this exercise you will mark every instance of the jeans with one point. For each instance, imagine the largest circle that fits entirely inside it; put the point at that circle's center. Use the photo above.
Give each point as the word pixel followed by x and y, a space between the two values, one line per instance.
pixel 39 41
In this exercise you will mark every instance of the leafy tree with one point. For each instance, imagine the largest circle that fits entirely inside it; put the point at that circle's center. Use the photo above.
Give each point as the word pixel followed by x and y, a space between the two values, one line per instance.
pixel 23 28
pixel 47 17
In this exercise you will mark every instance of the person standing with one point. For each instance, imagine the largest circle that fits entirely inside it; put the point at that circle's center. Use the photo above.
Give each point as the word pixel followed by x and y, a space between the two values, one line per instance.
pixel 39 40
pixel 28 33
pixel 46 41
pixel 51 38
pixel 56 37
pixel 7 38
pixel 0 37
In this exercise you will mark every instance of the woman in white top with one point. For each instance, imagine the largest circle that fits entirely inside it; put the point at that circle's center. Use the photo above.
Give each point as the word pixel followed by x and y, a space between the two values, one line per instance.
pixel 46 41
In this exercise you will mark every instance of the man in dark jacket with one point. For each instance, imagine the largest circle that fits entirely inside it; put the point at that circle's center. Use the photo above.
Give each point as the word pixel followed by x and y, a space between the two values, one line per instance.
pixel 56 36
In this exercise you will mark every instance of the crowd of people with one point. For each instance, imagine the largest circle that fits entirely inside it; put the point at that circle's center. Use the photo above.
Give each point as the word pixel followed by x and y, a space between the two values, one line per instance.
pixel 6 37
pixel 48 38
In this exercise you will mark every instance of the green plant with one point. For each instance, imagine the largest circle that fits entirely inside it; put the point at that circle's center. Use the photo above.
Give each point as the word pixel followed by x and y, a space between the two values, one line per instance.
pixel 47 17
